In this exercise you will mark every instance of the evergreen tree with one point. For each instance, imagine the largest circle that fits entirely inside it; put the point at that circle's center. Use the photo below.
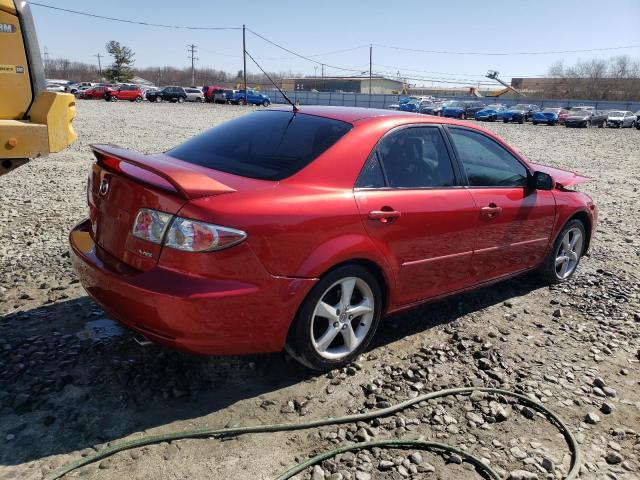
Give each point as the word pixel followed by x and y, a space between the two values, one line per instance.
pixel 121 69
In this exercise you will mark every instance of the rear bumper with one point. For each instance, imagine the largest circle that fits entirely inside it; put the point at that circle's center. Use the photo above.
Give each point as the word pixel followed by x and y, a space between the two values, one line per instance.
pixel 188 312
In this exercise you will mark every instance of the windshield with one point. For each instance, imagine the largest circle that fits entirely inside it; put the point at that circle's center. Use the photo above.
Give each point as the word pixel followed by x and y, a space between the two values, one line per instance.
pixel 493 107
pixel 551 110
pixel 579 113
pixel 457 104
pixel 267 145
pixel 413 102
pixel 616 113
pixel 520 107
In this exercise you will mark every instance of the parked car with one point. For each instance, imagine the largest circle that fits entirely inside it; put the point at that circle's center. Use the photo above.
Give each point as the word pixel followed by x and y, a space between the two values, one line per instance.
pixel 520 113
pixel 205 254
pixel 637 114
pixel 621 119
pixel 74 87
pixel 579 118
pixel 550 116
pixel 132 93
pixel 251 97
pixel 490 113
pixel 194 95
pixel 54 87
pixel 223 96
pixel 209 92
pixel 415 104
pixel 462 109
pixel 80 91
pixel 599 118
pixel 97 92
pixel 435 108
pixel 581 108
pixel 168 94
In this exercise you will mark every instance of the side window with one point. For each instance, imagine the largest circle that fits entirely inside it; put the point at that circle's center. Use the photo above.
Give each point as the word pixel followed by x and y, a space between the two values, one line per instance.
pixel 486 162
pixel 371 175
pixel 416 157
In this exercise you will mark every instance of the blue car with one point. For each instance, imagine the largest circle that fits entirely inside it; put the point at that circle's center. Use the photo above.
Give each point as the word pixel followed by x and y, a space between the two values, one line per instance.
pixel 251 97
pixel 462 110
pixel 520 113
pixel 490 113
pixel 550 116
pixel 412 105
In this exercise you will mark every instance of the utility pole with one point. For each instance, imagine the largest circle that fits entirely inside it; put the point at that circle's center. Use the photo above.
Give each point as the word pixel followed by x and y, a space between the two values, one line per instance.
pixel 315 77
pixel 192 52
pixel 322 70
pixel 370 65
pixel 45 54
pixel 99 64
pixel 244 61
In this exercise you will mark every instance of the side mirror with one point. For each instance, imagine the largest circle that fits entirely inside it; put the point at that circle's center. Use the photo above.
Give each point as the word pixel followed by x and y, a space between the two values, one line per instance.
pixel 541 181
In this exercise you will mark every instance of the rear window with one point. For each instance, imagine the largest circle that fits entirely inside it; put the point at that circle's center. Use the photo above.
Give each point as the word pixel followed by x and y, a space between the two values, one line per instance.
pixel 268 145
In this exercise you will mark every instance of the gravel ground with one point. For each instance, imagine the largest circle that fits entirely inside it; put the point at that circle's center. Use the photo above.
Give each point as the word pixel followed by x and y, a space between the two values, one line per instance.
pixel 71 380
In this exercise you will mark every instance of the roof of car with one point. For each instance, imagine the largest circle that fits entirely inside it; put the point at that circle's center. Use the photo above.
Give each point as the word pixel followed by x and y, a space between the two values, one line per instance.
pixel 348 114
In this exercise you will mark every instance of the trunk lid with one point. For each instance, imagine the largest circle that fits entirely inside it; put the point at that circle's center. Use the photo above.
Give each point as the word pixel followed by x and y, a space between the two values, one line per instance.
pixel 124 181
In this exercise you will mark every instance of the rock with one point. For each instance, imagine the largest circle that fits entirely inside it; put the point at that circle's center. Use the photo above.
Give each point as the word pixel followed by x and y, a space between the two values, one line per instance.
pixel 606 408
pixel 592 418
pixel 455 458
pixel 613 458
pixel 171 452
pixel 522 475
pixel 385 465
pixel 318 473
pixel 558 314
pixel 475 418
pixel 416 458
pixel 363 476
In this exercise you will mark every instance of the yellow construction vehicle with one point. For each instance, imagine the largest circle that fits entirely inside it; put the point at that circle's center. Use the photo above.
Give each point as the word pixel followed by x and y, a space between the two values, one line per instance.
pixel 33 121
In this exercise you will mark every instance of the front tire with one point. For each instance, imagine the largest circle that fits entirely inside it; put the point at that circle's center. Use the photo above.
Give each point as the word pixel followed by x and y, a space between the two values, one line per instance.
pixel 180 99
pixel 266 103
pixel 563 259
pixel 337 319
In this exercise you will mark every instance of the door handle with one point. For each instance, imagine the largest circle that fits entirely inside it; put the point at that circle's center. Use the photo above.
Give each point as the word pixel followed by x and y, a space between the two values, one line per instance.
pixel 491 211
pixel 386 215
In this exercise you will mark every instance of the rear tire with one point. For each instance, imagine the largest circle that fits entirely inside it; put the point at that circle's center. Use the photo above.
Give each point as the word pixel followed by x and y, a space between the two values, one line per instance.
pixel 242 101
pixel 323 340
pixel 534 122
pixel 522 120
pixel 563 259
pixel 504 120
pixel 266 103
pixel 180 99
pixel 463 116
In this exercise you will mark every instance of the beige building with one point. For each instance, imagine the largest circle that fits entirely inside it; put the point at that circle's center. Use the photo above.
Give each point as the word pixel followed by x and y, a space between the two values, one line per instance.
pixel 357 84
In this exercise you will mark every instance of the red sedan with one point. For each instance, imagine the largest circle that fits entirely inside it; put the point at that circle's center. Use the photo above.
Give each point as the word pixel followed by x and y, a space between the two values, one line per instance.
pixel 98 92
pixel 302 229
pixel 132 93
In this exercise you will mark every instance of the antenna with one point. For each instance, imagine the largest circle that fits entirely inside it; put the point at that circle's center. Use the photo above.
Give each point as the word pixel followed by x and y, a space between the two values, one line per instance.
pixel 295 109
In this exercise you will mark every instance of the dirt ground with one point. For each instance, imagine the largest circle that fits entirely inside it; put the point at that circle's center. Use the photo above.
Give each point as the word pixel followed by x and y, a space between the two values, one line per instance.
pixel 71 380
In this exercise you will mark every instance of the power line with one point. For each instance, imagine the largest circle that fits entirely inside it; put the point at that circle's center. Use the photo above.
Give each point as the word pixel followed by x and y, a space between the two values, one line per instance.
pixel 299 55
pixel 550 52
pixel 136 22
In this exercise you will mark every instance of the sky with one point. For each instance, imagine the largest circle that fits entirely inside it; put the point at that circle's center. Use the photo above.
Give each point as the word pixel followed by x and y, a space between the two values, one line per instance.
pixel 338 34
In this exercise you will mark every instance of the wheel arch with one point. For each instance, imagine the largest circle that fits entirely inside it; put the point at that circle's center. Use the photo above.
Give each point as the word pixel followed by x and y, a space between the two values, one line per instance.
pixel 586 221
pixel 375 269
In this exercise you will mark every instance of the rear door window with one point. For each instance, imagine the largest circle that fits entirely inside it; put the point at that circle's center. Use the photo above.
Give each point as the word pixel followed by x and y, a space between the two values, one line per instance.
pixel 416 157
pixel 267 145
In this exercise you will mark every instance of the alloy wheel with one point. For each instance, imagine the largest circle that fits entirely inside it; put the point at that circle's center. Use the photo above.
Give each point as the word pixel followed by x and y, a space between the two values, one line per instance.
pixel 569 253
pixel 342 318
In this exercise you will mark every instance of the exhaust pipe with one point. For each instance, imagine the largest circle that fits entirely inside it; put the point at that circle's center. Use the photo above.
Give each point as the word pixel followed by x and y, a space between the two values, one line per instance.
pixel 142 340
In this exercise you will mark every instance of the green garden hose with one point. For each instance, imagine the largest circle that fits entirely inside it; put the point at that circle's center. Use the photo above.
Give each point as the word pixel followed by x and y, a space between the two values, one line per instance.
pixel 391 443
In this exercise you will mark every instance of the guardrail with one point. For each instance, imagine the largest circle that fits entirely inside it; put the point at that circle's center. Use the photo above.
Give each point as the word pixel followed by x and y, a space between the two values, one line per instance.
pixel 384 100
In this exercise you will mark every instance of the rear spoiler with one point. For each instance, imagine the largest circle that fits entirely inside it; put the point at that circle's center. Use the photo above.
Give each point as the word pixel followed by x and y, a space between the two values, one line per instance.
pixel 188 181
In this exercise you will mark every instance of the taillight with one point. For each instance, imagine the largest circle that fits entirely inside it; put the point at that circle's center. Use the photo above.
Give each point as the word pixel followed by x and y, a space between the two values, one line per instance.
pixel 184 234
pixel 150 225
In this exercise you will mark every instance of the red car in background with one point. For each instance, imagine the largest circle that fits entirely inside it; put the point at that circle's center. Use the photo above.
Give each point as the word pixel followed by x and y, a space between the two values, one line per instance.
pixel 209 91
pixel 132 93
pixel 301 229
pixel 98 92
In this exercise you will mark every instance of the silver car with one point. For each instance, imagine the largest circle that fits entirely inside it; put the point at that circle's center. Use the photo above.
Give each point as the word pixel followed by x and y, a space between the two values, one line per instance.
pixel 194 95
pixel 621 119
